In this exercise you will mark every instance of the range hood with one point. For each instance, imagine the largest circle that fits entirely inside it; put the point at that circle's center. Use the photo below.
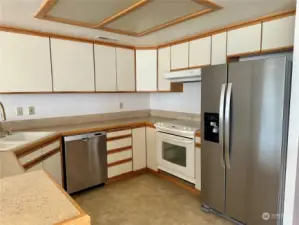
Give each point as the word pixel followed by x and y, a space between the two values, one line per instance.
pixel 184 76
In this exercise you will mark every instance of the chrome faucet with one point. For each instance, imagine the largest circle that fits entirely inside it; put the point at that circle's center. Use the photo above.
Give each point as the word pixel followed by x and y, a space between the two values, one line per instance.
pixel 3 118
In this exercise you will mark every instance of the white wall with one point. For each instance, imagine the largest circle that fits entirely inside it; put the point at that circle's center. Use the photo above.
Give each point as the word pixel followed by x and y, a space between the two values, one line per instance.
pixel 56 105
pixel 189 101
pixel 291 206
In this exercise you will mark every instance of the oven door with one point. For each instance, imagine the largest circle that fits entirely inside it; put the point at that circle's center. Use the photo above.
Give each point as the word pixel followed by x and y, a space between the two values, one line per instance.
pixel 176 155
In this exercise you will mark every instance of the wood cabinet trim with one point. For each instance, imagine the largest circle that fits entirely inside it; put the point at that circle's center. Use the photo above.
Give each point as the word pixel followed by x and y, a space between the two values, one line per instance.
pixel 41 158
pixel 198 145
pixel 75 204
pixel 119 137
pixel 117 150
pixel 234 26
pixel 36 146
pixel 120 162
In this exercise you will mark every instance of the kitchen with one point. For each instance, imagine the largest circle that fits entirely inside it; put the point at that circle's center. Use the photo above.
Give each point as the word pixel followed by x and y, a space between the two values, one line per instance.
pixel 91 105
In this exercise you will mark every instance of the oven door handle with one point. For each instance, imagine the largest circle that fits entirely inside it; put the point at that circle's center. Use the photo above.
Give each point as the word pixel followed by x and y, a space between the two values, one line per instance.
pixel 175 138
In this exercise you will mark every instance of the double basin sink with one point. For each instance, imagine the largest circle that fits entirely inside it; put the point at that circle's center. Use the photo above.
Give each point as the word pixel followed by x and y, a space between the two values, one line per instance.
pixel 18 139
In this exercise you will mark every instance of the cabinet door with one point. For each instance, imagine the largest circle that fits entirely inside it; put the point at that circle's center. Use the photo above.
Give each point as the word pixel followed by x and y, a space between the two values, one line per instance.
pixel 244 40
pixel 151 149
pixel 73 66
pixel 53 166
pixel 163 67
pixel 139 148
pixel 25 64
pixel 146 70
pixel 179 56
pixel 198 168
pixel 105 68
pixel 218 49
pixel 125 59
pixel 278 33
pixel 200 52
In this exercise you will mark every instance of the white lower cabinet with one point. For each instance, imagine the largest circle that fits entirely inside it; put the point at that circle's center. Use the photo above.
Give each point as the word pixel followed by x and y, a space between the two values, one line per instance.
pixel 53 166
pixel 139 148
pixel 198 168
pixel 47 158
pixel 119 169
pixel 151 149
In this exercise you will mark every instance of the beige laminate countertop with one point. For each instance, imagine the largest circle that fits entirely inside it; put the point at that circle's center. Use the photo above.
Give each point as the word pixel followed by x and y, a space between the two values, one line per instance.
pixel 34 199
pixel 111 124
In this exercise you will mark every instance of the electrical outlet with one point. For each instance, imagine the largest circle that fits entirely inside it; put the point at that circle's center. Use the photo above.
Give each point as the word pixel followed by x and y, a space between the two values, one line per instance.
pixel 31 110
pixel 121 105
pixel 19 111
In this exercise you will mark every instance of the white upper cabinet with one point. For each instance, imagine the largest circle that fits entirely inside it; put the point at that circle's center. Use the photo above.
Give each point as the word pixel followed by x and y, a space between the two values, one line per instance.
pixel 278 33
pixel 125 61
pixel 218 49
pixel 146 70
pixel 200 52
pixel 244 40
pixel 25 64
pixel 163 67
pixel 179 56
pixel 139 148
pixel 105 68
pixel 73 66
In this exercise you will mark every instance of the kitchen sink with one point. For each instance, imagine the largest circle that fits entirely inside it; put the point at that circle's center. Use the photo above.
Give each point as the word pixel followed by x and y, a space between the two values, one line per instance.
pixel 25 136
pixel 18 139
pixel 4 146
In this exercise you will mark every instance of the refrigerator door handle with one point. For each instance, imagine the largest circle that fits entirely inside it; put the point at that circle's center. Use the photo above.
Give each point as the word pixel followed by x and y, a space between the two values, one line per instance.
pixel 227 124
pixel 221 123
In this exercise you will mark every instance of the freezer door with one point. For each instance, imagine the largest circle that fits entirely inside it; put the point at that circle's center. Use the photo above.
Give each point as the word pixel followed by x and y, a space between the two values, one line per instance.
pixel 213 86
pixel 254 155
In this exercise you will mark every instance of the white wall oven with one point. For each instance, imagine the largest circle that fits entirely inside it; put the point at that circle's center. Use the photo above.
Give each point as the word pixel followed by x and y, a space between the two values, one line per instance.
pixel 176 150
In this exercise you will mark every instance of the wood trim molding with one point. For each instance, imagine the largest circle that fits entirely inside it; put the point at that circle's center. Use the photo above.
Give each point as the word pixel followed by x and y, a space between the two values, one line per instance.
pixel 126 175
pixel 254 53
pixel 19 30
pixel 120 162
pixel 82 213
pixel 48 4
pixel 117 150
pixel 121 128
pixel 174 180
pixel 149 124
pixel 40 159
pixel 233 26
pixel 123 12
pixel 36 146
pixel 198 145
pixel 119 137
pixel 45 8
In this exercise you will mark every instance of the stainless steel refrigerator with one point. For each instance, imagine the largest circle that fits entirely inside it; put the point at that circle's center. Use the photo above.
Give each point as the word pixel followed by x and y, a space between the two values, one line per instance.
pixel 245 108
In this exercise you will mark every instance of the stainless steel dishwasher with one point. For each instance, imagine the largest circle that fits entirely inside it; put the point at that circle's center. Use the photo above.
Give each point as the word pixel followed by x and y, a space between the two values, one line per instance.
pixel 85 161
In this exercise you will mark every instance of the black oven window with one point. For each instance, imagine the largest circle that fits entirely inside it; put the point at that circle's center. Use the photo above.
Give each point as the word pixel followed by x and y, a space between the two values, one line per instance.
pixel 174 154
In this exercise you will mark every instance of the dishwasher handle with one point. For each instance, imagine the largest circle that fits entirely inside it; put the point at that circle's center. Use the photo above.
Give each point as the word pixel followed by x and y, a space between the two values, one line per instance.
pixel 84 137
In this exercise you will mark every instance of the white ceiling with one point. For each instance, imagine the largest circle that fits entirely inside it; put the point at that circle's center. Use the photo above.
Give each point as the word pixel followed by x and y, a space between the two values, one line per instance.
pixel 20 13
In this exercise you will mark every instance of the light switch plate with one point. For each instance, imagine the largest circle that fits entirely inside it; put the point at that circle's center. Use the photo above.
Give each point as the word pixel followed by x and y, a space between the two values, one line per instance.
pixel 19 111
pixel 31 110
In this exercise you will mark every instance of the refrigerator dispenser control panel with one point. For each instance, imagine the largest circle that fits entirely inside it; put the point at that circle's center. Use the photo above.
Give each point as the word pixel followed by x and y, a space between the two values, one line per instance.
pixel 211 127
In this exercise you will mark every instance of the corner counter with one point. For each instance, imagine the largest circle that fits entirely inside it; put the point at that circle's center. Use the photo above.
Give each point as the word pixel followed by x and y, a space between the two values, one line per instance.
pixel 34 198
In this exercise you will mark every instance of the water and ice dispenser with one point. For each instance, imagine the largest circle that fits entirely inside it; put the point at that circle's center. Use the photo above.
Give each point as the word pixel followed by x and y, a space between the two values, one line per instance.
pixel 211 127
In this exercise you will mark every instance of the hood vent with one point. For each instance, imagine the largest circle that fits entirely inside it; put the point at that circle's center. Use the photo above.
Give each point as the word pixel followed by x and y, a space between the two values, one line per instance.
pixel 184 76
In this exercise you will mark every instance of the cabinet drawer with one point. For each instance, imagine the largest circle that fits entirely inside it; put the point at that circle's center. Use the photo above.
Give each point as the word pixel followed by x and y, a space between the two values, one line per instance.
pixel 111 158
pixel 42 151
pixel 119 169
pixel 118 133
pixel 120 143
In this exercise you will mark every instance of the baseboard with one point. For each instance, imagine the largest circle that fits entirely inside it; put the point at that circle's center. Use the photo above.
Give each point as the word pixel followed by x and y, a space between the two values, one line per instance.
pixel 176 181
pixel 126 176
